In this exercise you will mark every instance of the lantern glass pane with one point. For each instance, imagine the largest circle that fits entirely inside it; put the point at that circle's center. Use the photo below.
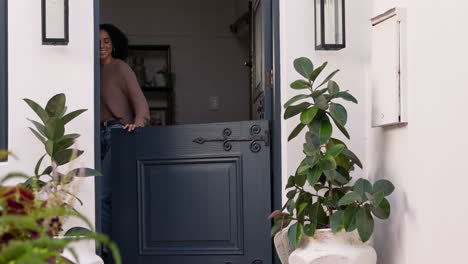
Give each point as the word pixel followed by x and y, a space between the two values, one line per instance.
pixel 318 25
pixel 333 21
pixel 55 19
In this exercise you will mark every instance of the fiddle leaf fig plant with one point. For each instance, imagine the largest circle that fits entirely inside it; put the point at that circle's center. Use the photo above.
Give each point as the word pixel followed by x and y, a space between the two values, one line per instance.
pixel 321 194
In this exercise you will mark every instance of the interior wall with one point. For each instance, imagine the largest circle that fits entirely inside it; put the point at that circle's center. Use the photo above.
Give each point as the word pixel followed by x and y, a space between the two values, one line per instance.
pixel 207 58
pixel 38 72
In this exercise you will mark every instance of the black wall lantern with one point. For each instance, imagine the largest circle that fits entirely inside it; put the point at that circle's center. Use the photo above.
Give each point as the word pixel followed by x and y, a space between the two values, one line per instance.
pixel 330 24
pixel 54 22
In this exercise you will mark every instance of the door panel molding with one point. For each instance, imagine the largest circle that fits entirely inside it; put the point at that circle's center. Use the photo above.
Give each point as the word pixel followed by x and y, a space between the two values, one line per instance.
pixel 204 172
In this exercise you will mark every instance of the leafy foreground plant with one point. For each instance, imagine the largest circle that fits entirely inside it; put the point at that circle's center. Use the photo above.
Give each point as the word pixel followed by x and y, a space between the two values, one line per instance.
pixel 29 226
pixel 329 200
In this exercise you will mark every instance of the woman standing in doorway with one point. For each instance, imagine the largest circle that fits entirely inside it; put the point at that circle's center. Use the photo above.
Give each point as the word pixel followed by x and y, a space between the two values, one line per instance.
pixel 123 104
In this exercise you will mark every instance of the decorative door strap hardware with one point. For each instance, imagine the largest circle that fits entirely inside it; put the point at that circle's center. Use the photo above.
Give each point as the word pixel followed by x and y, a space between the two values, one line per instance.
pixel 254 139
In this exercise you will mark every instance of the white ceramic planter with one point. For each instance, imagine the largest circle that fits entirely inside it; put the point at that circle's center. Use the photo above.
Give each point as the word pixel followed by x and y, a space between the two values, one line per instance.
pixel 328 248
pixel 282 245
pixel 86 252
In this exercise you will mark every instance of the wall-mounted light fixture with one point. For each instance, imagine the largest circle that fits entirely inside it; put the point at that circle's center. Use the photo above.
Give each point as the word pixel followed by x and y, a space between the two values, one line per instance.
pixel 330 25
pixel 54 22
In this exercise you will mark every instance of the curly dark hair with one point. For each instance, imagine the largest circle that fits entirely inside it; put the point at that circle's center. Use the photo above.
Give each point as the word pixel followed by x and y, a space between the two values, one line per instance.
pixel 119 41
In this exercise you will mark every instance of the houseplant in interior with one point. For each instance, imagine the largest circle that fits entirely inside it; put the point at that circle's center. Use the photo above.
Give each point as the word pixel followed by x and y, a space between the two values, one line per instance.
pixel 323 204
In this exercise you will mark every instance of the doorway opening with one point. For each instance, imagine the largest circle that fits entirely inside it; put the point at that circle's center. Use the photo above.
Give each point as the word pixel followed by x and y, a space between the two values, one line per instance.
pixel 203 62
pixel 193 59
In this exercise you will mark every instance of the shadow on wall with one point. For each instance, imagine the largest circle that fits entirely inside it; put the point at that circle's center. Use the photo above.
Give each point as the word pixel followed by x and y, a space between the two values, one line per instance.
pixel 389 236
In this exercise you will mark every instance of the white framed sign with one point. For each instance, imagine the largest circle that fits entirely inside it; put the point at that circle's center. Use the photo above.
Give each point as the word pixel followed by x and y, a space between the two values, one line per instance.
pixel 54 22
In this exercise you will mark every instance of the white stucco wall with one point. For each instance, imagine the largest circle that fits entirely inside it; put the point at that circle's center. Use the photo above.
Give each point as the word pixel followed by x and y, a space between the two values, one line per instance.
pixel 425 158
pixel 38 72
pixel 297 40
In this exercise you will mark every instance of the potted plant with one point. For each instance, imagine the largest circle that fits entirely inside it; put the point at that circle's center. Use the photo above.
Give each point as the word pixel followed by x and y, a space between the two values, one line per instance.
pixel 323 203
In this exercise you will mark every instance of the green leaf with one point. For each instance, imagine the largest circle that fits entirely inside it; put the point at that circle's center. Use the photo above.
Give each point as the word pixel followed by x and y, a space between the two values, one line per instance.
pixel 346 96
pixel 276 226
pixel 313 141
pixel 309 149
pixel 294 110
pixel 54 128
pixel 300 84
pixel 66 155
pixel 300 179
pixel 377 198
pixel 337 222
pixel 38 136
pixel 364 223
pixel 316 72
pixel 49 147
pixel 339 113
pixel 84 172
pixel 64 143
pixel 313 175
pixel 349 218
pixel 38 110
pixel 47 170
pixel 361 187
pixel 317 93
pixel 348 153
pixel 77 231
pixel 296 131
pixel 321 102
pixel 74 136
pixel 340 127
pixel 291 194
pixel 301 208
pixel 327 163
pixel 295 99
pixel 38 165
pixel 335 150
pixel 308 115
pixel 290 206
pixel 311 161
pixel 70 116
pixel 333 88
pixel 295 234
pixel 303 66
pixel 350 198
pixel 40 127
pixel 383 210
pixel 309 230
pixel 55 105
pixel 329 77
pixel 325 130
pixel 291 182
pixel 384 185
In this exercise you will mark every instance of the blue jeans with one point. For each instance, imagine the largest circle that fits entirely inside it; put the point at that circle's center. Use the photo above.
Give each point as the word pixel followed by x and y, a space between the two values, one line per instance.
pixel 106 187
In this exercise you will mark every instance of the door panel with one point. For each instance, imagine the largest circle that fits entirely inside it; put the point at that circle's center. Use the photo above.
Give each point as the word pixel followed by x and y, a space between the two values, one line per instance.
pixel 195 194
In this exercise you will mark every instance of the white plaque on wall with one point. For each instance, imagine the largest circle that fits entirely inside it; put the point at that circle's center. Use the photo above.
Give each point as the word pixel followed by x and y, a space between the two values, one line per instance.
pixel 388 69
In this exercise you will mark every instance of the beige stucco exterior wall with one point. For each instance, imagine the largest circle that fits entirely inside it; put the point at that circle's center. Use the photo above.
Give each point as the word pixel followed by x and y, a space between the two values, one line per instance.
pixel 38 72
pixel 425 159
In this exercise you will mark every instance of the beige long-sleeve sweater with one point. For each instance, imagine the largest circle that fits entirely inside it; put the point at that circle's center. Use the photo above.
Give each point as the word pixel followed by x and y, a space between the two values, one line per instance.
pixel 121 96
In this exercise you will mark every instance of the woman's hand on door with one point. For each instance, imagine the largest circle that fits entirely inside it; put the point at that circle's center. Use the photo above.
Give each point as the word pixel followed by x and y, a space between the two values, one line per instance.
pixel 131 127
